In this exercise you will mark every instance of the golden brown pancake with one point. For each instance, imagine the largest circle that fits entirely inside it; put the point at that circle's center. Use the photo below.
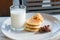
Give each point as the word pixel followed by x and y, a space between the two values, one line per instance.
pixel 31 29
pixel 35 20
pixel 32 26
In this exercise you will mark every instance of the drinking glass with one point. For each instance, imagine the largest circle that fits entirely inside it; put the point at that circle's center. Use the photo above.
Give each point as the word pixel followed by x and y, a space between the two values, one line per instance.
pixel 18 17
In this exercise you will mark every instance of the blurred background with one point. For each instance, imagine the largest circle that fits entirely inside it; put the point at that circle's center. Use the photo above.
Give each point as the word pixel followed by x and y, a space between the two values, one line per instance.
pixel 43 6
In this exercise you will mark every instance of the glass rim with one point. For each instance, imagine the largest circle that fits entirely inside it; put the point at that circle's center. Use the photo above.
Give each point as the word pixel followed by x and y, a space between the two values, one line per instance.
pixel 19 6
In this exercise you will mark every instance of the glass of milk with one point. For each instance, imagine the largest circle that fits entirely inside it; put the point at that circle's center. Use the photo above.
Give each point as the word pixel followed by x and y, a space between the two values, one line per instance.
pixel 18 17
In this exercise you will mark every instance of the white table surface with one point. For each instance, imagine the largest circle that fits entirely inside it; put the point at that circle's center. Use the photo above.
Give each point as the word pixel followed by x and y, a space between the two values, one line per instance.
pixel 2 37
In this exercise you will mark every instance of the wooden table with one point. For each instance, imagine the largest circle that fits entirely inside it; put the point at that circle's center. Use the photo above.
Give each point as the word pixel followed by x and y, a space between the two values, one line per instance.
pixel 2 37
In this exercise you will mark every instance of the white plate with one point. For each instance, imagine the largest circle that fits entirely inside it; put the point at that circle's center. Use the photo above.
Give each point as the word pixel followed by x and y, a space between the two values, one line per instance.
pixel 6 29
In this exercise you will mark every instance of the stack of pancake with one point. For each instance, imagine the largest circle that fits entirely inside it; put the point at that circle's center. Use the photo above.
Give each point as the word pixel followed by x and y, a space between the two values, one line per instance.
pixel 33 24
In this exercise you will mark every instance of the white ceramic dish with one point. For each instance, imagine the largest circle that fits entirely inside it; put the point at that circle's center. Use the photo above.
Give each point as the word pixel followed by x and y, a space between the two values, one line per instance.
pixel 22 35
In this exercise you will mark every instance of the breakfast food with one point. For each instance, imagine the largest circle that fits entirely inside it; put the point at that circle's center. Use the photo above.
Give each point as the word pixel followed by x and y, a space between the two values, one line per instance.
pixel 35 20
pixel 33 24
pixel 31 29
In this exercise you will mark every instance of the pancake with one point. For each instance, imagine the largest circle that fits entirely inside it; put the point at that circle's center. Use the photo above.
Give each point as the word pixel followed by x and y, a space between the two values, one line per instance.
pixel 38 16
pixel 31 29
pixel 35 20
pixel 32 26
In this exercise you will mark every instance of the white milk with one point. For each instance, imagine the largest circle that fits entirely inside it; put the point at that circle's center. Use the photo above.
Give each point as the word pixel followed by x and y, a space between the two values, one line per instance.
pixel 18 17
